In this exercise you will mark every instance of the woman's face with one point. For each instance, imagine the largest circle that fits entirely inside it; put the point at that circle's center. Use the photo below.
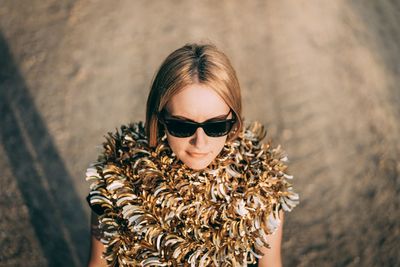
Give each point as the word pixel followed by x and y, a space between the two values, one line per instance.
pixel 198 103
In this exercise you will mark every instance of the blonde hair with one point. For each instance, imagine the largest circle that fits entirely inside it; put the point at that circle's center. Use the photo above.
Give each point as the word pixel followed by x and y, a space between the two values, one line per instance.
pixel 193 63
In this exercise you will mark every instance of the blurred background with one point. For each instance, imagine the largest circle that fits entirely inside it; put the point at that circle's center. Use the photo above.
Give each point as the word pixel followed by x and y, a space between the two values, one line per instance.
pixel 323 77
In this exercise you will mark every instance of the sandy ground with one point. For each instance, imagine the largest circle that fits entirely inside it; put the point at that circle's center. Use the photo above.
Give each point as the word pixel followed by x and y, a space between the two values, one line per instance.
pixel 322 77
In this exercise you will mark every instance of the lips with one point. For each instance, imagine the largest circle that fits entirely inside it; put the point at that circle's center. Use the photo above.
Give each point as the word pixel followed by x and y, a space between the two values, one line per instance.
pixel 197 154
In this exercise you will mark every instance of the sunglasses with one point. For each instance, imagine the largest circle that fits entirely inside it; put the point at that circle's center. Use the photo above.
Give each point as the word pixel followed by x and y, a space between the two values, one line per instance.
pixel 186 128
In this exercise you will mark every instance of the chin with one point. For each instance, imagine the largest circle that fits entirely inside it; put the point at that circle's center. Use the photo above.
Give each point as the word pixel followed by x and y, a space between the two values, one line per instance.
pixel 197 166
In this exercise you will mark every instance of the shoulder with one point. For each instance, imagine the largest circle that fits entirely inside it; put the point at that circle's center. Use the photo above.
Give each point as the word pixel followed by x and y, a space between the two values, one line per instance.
pixel 251 138
pixel 268 161
pixel 119 142
pixel 113 163
pixel 253 131
pixel 130 132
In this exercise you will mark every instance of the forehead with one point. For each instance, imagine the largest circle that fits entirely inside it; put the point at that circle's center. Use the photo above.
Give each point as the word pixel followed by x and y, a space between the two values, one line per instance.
pixel 197 102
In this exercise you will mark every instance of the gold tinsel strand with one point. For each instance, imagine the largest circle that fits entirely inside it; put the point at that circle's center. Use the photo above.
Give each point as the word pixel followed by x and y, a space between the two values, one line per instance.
pixel 159 212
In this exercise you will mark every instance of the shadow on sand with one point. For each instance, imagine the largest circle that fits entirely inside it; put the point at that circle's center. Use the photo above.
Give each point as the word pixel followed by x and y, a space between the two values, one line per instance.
pixel 55 210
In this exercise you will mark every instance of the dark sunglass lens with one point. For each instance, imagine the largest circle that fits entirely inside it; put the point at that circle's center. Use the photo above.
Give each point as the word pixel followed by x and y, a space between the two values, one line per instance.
pixel 216 129
pixel 180 128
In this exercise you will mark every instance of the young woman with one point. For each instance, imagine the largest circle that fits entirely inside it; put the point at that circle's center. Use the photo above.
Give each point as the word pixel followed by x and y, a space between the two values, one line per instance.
pixel 193 186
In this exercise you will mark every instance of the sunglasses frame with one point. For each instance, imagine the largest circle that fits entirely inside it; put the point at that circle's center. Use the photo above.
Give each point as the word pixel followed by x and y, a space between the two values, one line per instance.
pixel 203 125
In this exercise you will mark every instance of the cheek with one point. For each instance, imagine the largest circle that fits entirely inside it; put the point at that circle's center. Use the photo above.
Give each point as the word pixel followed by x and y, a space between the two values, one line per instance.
pixel 218 144
pixel 177 144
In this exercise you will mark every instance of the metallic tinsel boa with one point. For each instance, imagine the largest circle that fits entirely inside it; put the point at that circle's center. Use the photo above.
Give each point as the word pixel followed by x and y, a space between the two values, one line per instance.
pixel 158 212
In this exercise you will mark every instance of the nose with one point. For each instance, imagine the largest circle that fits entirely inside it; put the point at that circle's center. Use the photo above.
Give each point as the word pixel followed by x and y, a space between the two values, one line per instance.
pixel 199 138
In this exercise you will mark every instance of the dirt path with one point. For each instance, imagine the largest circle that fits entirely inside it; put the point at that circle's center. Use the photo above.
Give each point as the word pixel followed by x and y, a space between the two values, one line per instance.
pixel 322 78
